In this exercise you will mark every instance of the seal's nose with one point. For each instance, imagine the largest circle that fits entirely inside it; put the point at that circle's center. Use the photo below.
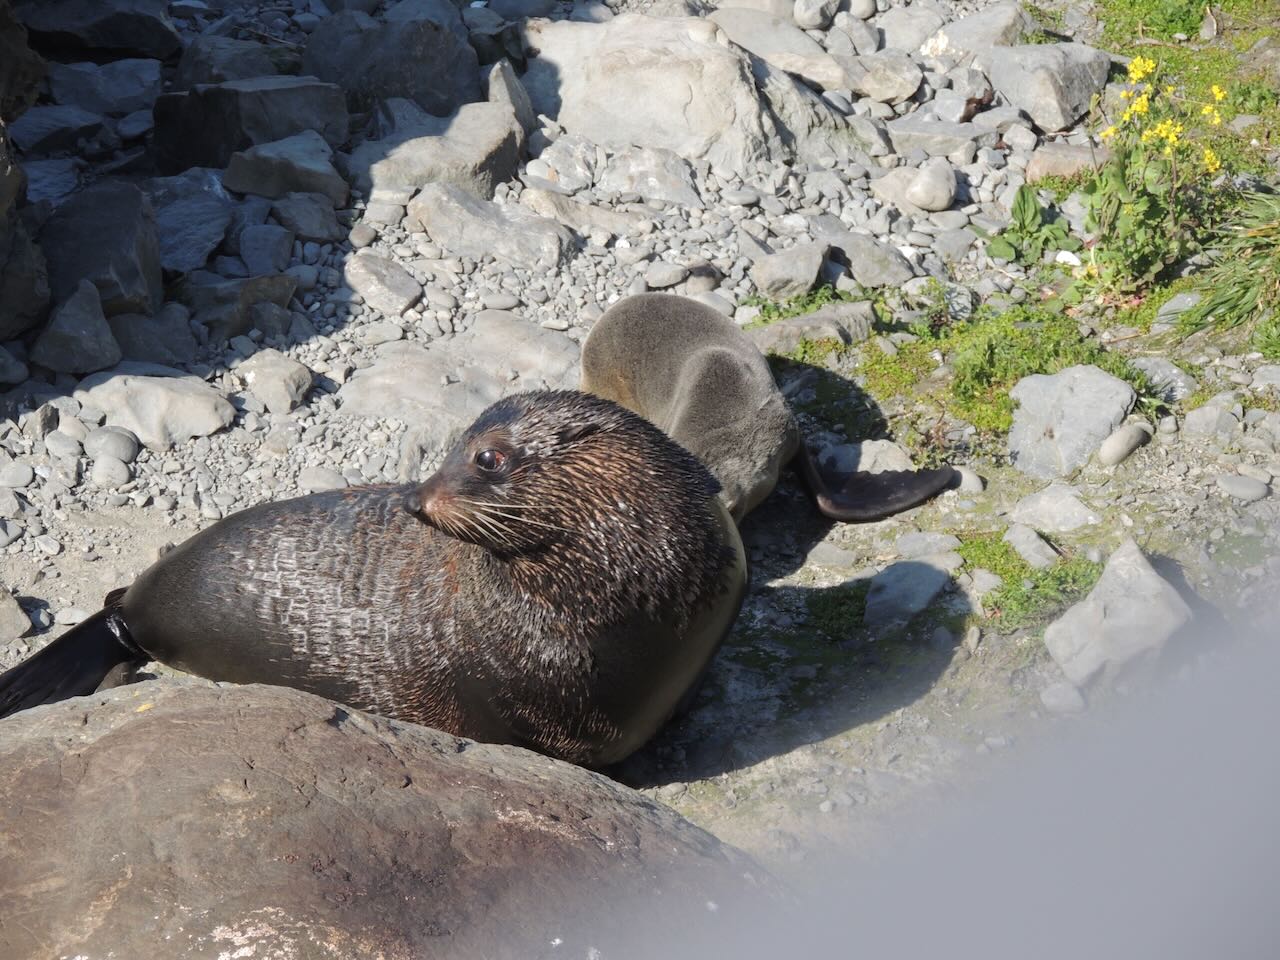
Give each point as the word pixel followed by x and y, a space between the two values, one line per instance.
pixel 427 500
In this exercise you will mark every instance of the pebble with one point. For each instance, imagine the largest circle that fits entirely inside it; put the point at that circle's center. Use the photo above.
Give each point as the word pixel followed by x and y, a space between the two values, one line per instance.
pixel 1247 489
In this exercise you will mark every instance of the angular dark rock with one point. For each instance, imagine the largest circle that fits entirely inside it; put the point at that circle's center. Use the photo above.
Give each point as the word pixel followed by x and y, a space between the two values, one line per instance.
pixel 297 164
pixel 210 123
pixel 309 215
pixel 21 68
pixel 345 836
pixel 417 59
pixel 214 59
pixel 77 339
pixel 265 248
pixel 193 212
pixel 140 27
pixel 123 259
pixel 224 306
pixel 122 86
pixel 54 127
pixel 165 338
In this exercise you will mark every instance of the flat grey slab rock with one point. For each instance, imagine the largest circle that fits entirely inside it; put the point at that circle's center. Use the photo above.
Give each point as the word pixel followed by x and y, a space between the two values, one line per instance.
pixel 780 43
pixel 161 406
pixel 77 338
pixel 1052 82
pixel 385 285
pixel 262 821
pixel 297 164
pixel 119 87
pixel 467 226
pixel 904 589
pixel 193 212
pixel 1055 509
pixel 1130 611
pixel 1062 419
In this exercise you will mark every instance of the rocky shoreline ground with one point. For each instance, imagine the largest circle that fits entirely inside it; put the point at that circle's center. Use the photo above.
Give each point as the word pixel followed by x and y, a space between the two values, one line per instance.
pixel 249 252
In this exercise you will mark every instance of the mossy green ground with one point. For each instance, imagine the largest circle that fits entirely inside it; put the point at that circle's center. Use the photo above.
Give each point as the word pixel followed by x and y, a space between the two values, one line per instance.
pixel 1028 597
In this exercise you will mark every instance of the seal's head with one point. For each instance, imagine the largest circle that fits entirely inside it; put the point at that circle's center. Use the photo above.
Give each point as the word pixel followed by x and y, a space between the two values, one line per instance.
pixel 566 487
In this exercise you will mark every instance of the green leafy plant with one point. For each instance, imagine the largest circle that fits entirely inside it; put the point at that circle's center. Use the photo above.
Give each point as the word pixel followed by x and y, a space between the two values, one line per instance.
pixel 816 298
pixel 1243 284
pixel 1027 597
pixel 1031 232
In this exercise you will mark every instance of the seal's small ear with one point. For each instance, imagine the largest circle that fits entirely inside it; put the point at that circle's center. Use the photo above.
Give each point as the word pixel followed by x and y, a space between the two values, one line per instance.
pixel 578 432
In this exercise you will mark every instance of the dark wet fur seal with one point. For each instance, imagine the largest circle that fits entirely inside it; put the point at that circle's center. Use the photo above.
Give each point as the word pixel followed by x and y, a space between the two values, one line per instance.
pixel 560 582
pixel 691 371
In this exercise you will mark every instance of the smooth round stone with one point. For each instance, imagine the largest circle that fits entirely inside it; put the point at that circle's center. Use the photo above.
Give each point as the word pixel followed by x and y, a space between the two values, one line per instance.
pixel 743 197
pixel 934 188
pixel 115 442
pixel 69 616
pixel 362 235
pixel 949 219
pixel 862 9
pixel 970 482
pixel 500 301
pixel 17 475
pixel 1122 442
pixel 1242 488
pixel 58 444
pixel 316 479
pixel 109 472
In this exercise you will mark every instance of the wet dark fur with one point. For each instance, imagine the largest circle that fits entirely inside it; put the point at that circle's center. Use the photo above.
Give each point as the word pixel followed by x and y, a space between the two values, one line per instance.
pixel 557 606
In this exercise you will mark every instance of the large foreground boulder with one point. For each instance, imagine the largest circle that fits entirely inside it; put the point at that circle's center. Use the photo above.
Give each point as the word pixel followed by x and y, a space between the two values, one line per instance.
pixel 140 27
pixel 260 821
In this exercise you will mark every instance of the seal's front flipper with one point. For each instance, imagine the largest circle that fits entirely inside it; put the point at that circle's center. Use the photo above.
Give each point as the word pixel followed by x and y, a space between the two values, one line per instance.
pixel 861 496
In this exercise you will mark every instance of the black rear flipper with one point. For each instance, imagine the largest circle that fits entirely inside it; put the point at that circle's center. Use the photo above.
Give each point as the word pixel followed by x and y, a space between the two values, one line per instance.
pixel 860 496
pixel 73 665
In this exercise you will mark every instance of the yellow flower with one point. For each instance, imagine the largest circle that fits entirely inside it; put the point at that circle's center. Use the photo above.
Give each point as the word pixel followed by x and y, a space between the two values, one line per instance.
pixel 1110 132
pixel 1169 90
pixel 1140 68
pixel 1217 119
pixel 1211 162
pixel 1126 94
pixel 1141 104
pixel 1218 93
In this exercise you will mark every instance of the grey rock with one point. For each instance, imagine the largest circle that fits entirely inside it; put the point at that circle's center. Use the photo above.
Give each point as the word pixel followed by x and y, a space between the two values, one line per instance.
pixel 59 445
pixel 318 479
pixel 904 589
pixel 265 248
pixel 308 216
pixel 225 306
pixel 476 148
pixel 10 531
pixel 907 28
pixel 870 456
pixel 120 87
pixel 12 370
pixel 440 12
pixel 934 186
pixel 77 339
pixel 919 543
pixel 21 69
pixel 161 406
pixel 123 262
pixel 165 338
pixel 278 381
pixel 417 59
pixel 405 381
pixel 24 278
pixel 53 179
pixel 1241 487
pixel 385 285
pixel 1056 509
pixel 1053 83
pixel 209 124
pixel 999 25
pixel 814 14
pixel 1030 546
pixel 662 274
pixel 109 473
pixel 295 164
pixel 1062 697
pixel 55 127
pixel 789 273
pixel 935 137
pixel 1211 420
pixel 872 263
pixel 1177 305
pixel 114 442
pixel 192 213
pixel 1266 377
pixel 702 103
pixel 467 226
pixel 1121 444
pixel 211 58
pixel 584 219
pixel 1172 381
pixel 655 174
pixel 1058 159
pixel 140 27
pixel 505 88
pixel 782 337
pixel 888 77
pixel 13 620
pixel 390 803
pixel 1131 610
pixel 1062 419
pixel 970 481
pixel 16 475
pixel 781 44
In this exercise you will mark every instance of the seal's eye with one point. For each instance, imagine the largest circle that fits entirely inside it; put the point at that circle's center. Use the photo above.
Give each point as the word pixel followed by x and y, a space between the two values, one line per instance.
pixel 491 460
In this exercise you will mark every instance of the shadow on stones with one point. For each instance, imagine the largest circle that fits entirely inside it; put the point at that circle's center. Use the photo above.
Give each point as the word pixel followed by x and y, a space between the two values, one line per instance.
pixel 800 664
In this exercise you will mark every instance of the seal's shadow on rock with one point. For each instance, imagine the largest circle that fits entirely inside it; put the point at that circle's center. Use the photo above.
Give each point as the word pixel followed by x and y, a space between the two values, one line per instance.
pixel 799 665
